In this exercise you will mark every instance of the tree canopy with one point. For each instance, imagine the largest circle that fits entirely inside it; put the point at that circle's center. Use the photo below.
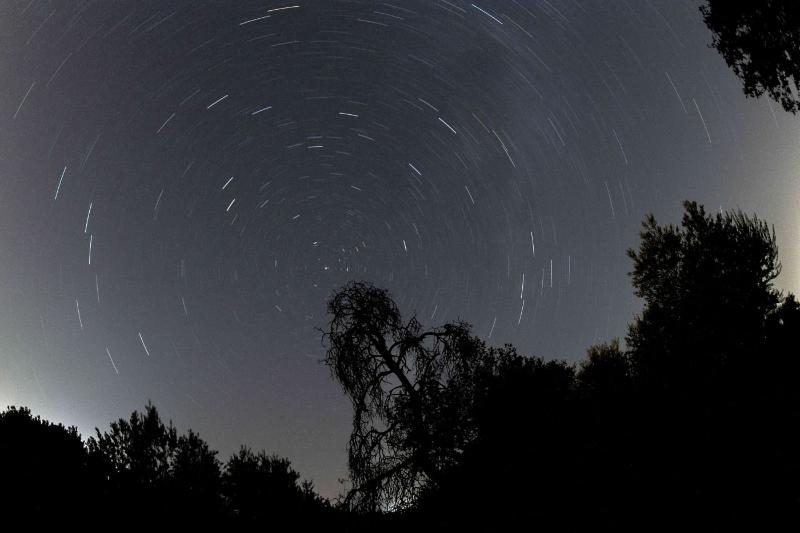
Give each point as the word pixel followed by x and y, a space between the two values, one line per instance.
pixel 760 42
pixel 146 462
pixel 43 466
pixel 707 291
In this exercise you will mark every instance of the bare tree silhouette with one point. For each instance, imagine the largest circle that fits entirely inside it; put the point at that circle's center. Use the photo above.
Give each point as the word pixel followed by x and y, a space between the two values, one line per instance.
pixel 410 388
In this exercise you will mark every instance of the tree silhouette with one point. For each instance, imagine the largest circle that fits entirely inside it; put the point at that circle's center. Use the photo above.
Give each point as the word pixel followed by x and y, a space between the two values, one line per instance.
pixel 760 41
pixel 607 412
pixel 265 490
pixel 195 481
pixel 522 467
pixel 707 289
pixel 42 468
pixel 707 362
pixel 144 470
pixel 410 388
pixel 144 462
pixel 605 373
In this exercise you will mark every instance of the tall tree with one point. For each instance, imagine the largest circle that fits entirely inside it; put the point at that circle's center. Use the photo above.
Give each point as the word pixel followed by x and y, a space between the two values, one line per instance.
pixel 715 372
pixel 760 41
pixel 707 291
pixel 410 388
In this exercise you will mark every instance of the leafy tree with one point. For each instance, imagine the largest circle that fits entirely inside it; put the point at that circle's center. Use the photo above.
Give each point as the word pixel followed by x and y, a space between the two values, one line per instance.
pixel 145 462
pixel 195 480
pixel 144 470
pixel 411 389
pixel 523 465
pixel 707 291
pixel 715 372
pixel 136 453
pixel 266 490
pixel 609 416
pixel 605 372
pixel 760 41
pixel 42 467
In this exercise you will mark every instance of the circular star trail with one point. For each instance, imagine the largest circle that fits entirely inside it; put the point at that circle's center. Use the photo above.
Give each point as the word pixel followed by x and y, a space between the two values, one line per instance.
pixel 184 184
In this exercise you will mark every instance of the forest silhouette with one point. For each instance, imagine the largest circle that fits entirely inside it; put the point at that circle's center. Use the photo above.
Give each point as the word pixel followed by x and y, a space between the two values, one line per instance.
pixel 694 423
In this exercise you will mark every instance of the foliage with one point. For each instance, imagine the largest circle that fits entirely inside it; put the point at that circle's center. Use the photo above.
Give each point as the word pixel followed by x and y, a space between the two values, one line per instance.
pixel 42 465
pixel 707 290
pixel 144 462
pixel 715 372
pixel 760 41
pixel 265 489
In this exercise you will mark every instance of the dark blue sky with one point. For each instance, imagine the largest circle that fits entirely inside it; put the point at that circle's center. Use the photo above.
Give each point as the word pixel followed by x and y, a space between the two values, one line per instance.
pixel 182 186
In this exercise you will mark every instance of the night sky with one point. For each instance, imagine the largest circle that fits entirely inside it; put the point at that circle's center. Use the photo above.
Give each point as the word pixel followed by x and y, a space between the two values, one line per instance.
pixel 183 185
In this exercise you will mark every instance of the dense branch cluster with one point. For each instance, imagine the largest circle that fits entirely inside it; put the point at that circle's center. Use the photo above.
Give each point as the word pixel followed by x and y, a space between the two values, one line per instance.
pixel 410 390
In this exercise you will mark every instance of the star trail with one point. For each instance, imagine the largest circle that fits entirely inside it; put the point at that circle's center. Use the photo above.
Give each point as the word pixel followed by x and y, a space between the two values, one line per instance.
pixel 184 184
